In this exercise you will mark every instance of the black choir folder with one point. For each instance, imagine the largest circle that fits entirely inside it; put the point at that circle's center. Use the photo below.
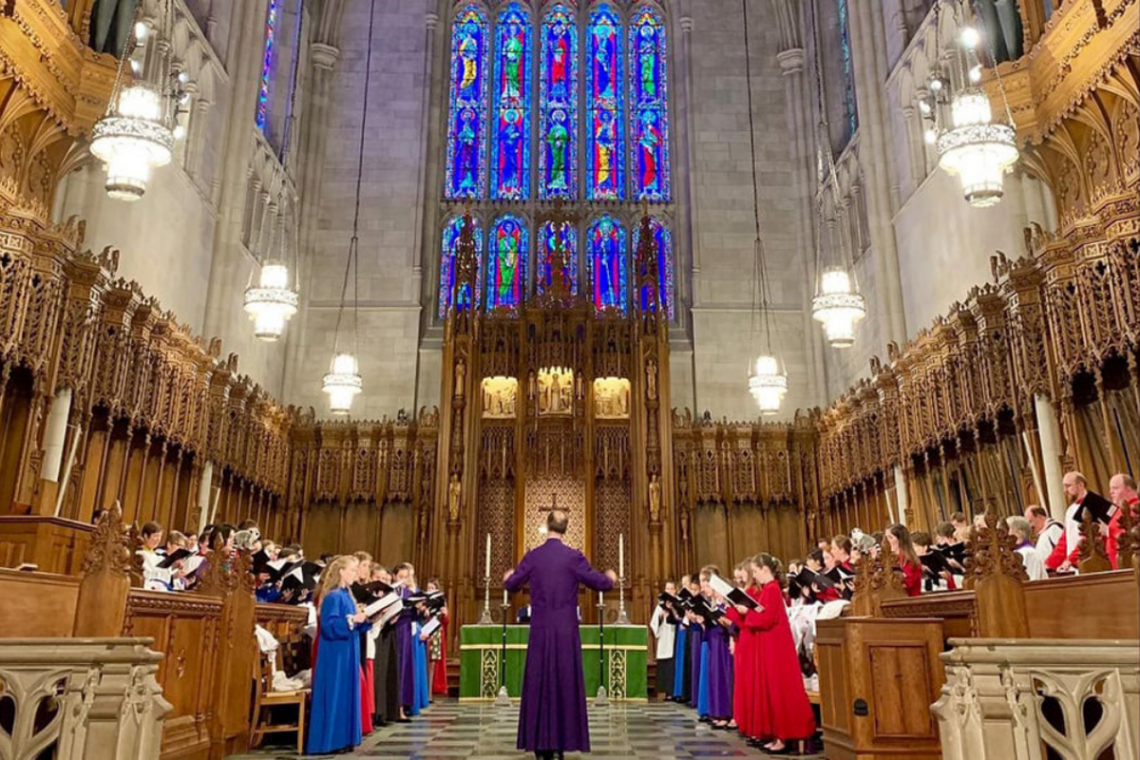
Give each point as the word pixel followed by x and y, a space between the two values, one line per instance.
pixel 731 593
pixel 1099 508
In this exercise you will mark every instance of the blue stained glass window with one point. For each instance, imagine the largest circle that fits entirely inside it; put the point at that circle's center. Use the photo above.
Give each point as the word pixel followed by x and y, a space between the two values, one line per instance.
pixel 558 104
pixel 510 165
pixel 267 65
pixel 648 106
pixel 470 79
pixel 567 238
pixel 506 263
pixel 447 266
pixel 852 112
pixel 607 261
pixel 663 239
pixel 605 149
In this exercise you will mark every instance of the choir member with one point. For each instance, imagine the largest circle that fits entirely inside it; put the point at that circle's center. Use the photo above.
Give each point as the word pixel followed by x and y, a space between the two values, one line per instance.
pixel 960 523
pixel 746 661
pixel 780 710
pixel 367 689
pixel 1034 567
pixel 419 648
pixel 151 536
pixel 405 648
pixel 437 647
pixel 552 712
pixel 718 671
pixel 682 675
pixel 1122 491
pixel 385 667
pixel 1048 530
pixel 841 548
pixel 663 623
pixel 1067 551
pixel 696 642
pixel 898 538
pixel 335 720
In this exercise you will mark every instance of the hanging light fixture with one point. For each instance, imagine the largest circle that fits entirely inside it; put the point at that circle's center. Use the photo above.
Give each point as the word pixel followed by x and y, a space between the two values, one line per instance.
pixel 343 381
pixel 136 134
pixel 271 301
pixel 767 381
pixel 837 305
pixel 974 148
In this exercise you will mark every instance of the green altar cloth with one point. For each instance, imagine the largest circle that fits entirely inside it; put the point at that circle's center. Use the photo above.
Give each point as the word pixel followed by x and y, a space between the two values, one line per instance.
pixel 626 660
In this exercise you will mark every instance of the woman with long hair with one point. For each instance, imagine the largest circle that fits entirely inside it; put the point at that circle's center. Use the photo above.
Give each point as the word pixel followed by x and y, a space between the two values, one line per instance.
pixel 746 659
pixel 781 711
pixel 367 708
pixel 437 647
pixel 898 539
pixel 335 719
pixel 717 672
pixel 386 669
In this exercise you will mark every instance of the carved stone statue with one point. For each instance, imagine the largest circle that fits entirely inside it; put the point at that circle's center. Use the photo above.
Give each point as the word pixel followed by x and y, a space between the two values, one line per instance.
pixel 651 379
pixel 655 499
pixel 454 497
pixel 460 376
pixel 685 525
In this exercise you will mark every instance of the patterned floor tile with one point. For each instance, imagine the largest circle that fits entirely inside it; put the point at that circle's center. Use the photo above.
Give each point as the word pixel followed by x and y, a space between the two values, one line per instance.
pixel 478 731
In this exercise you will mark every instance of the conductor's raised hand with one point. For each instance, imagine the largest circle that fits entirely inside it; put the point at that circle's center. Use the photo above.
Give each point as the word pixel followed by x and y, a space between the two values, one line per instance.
pixel 612 576
pixel 508 574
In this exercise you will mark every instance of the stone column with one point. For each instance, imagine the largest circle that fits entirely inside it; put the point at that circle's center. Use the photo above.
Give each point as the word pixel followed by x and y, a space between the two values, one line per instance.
pixel 868 51
pixel 1050 431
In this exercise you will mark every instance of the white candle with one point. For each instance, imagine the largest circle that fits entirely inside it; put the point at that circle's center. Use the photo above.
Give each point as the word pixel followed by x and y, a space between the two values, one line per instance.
pixel 621 555
pixel 487 572
pixel 600 602
pixel 506 599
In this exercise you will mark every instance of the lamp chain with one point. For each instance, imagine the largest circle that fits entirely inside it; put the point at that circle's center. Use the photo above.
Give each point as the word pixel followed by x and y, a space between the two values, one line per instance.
pixel 759 265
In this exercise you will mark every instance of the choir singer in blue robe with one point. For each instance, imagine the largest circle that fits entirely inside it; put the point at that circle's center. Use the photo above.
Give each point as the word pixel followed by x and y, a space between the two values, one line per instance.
pixel 334 723
pixel 552 715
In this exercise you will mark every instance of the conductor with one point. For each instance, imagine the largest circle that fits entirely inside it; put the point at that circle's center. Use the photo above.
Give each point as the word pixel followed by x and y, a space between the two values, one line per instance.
pixel 552 715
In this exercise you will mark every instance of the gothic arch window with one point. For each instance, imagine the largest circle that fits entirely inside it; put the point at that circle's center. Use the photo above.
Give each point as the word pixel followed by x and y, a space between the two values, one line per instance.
pixel 507 255
pixel 648 106
pixel 470 80
pixel 447 266
pixel 549 241
pixel 510 164
pixel 607 264
pixel 558 101
pixel 663 237
pixel 605 164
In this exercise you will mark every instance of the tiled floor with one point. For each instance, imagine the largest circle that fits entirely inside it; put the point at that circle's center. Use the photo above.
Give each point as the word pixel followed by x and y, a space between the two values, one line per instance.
pixel 479 731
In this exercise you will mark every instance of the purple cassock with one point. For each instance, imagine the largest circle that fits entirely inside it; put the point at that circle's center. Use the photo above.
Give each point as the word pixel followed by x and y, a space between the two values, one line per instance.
pixel 552 715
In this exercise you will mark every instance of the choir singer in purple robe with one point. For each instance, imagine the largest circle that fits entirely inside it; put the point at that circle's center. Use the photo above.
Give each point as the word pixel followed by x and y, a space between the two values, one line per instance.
pixel 552 715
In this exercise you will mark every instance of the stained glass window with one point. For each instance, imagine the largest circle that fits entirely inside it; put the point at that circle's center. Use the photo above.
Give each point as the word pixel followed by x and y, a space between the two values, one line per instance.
pixel 605 153
pixel 558 104
pixel 548 242
pixel 850 110
pixel 267 65
pixel 506 263
pixel 648 106
pixel 607 262
pixel 447 266
pixel 664 242
pixel 470 79
pixel 510 165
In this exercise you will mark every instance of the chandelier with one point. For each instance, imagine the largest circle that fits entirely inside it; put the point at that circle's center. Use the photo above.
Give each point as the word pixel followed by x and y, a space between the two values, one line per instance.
pixel 343 382
pixel 136 135
pixel 977 150
pixel 271 302
pixel 767 382
pixel 973 147
pixel 838 305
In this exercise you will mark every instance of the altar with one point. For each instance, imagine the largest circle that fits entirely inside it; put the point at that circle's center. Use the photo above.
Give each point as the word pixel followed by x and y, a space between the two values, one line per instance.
pixel 623 661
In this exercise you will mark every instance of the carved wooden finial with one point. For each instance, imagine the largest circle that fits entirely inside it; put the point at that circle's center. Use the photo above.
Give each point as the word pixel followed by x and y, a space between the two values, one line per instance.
pixel 993 552
pixel 108 551
pixel 1092 556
